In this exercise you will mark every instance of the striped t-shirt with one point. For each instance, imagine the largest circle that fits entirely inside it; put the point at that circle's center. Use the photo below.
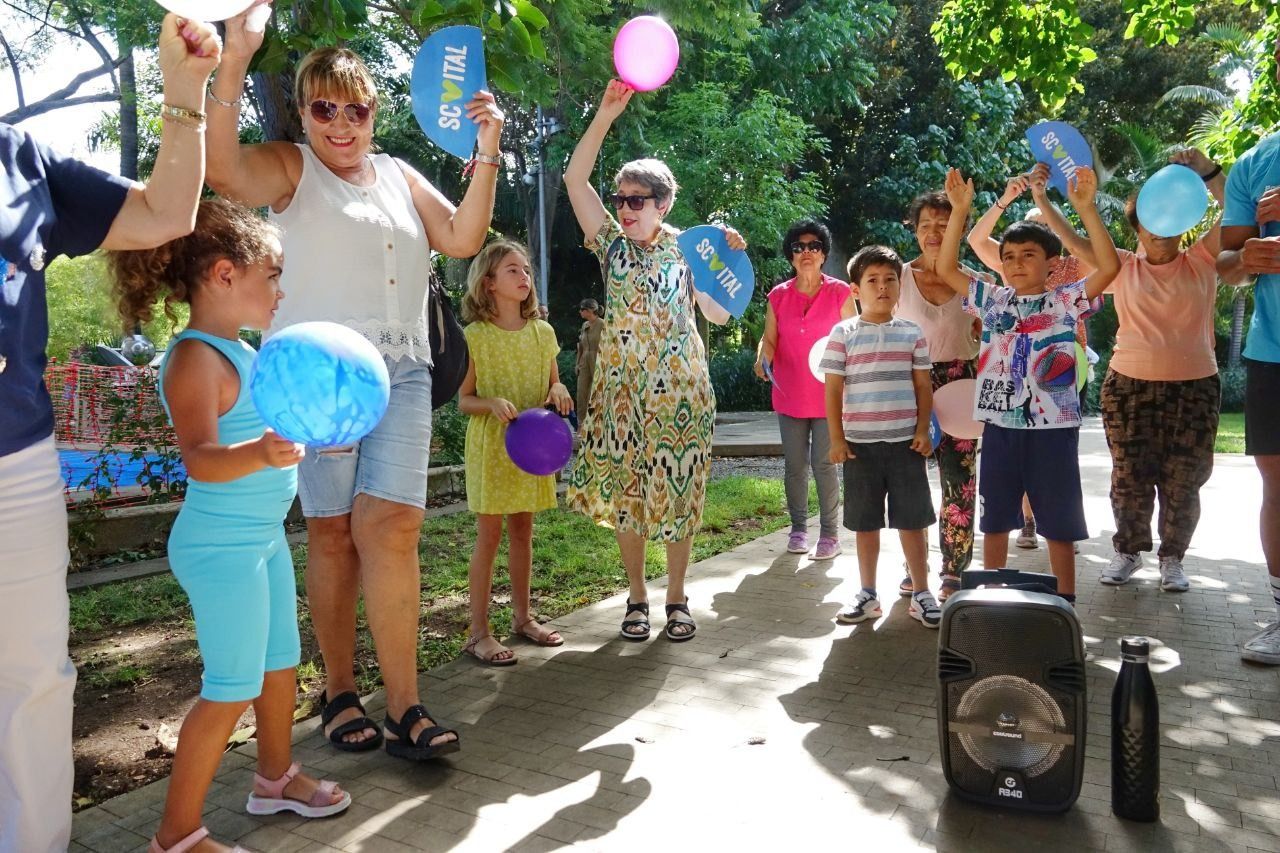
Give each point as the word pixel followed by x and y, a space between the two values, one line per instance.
pixel 876 360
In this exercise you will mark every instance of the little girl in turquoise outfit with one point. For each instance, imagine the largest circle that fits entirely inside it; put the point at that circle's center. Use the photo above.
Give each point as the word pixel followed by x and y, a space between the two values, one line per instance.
pixel 512 368
pixel 227 547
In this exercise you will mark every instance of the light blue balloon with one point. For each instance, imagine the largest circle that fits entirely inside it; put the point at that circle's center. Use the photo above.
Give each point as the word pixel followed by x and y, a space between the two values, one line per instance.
pixel 320 384
pixel 1172 201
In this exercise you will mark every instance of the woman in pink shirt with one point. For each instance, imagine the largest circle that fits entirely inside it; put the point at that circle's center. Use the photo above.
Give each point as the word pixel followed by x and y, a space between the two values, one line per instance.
pixel 1161 394
pixel 801 312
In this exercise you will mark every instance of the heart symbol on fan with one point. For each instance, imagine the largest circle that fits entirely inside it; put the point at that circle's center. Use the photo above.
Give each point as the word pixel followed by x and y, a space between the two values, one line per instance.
pixel 451 91
pixel 1059 153
pixel 716 264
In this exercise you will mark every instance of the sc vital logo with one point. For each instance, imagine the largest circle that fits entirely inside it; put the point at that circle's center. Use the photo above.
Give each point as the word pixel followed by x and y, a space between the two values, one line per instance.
pixel 448 69
pixel 453 73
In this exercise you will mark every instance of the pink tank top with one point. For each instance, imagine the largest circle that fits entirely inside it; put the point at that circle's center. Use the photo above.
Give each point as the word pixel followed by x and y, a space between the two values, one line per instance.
pixel 947 328
pixel 802 322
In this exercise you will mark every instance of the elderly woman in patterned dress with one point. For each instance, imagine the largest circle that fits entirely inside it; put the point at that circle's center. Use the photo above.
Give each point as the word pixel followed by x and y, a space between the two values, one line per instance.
pixel 646 450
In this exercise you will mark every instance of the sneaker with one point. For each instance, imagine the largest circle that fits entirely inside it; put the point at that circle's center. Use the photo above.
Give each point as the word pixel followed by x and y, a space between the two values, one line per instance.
pixel 1264 646
pixel 925 610
pixel 828 548
pixel 1027 537
pixel 865 606
pixel 1172 578
pixel 798 542
pixel 1120 569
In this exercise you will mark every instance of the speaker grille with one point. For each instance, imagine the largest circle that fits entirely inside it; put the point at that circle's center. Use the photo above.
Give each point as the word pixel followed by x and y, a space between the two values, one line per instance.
pixel 1016 668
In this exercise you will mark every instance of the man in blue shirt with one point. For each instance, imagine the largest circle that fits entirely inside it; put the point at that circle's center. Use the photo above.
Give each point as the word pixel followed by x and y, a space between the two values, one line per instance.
pixel 1251 247
pixel 53 205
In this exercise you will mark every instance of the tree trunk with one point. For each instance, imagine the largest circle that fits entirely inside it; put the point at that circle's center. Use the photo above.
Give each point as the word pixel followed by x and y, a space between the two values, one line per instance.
pixel 273 98
pixel 1237 329
pixel 128 113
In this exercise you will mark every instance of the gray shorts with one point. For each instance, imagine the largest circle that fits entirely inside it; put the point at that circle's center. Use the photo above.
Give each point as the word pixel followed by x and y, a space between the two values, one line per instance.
pixel 886 471
pixel 388 463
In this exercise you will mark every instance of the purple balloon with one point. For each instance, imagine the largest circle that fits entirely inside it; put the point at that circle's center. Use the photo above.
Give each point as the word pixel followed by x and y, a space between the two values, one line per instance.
pixel 539 442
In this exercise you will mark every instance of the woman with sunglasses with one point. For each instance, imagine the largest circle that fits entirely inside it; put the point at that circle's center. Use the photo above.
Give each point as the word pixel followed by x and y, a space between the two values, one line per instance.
pixel 358 230
pixel 801 312
pixel 646 438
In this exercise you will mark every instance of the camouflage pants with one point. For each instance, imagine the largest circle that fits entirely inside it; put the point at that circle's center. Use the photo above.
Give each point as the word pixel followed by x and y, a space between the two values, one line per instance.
pixel 1161 437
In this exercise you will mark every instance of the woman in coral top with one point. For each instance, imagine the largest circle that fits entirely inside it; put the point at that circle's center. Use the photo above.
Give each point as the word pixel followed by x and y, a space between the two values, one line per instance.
pixel 801 312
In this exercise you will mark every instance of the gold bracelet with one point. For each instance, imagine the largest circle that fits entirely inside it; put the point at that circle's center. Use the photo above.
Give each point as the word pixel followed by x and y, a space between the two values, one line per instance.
pixel 490 159
pixel 198 127
pixel 183 113
pixel 228 104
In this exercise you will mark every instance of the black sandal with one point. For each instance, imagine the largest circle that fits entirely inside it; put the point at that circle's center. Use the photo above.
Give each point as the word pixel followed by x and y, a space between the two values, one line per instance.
pixel 642 607
pixel 672 621
pixel 340 703
pixel 421 748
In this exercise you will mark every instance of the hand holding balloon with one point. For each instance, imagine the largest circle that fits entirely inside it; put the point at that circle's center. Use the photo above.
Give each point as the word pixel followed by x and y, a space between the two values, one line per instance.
pixel 277 451
pixel 559 399
pixel 1194 159
pixel 244 32
pixel 616 97
pixel 502 409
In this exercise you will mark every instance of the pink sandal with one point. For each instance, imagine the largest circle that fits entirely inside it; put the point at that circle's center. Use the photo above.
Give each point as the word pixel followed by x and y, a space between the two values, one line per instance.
pixel 187 843
pixel 274 801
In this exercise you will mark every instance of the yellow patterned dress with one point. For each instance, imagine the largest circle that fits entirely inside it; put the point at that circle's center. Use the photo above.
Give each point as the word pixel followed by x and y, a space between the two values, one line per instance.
pixel 515 366
pixel 645 449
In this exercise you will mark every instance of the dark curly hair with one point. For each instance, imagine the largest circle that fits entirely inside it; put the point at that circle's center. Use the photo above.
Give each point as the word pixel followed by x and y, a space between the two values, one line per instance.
pixel 869 256
pixel 224 230
pixel 806 226
pixel 1026 231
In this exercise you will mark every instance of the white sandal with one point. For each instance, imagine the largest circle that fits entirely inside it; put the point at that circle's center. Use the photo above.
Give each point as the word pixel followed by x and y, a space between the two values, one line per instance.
pixel 320 805
pixel 187 843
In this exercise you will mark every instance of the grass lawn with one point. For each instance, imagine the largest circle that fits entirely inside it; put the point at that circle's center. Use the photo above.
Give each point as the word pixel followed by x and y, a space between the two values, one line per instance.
pixel 575 563
pixel 1230 433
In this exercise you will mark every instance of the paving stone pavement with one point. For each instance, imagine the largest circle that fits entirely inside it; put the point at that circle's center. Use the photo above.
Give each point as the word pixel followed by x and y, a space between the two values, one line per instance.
pixel 604 744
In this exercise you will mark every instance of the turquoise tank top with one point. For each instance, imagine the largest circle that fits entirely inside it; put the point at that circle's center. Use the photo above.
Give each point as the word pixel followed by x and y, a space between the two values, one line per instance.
pixel 261 497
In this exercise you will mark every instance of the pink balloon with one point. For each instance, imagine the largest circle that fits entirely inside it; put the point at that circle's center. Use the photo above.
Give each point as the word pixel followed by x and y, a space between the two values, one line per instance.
pixel 953 404
pixel 645 53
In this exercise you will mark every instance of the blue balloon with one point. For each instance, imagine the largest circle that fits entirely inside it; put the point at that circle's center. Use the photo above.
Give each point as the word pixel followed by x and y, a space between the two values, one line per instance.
pixel 320 384
pixel 447 72
pixel 1172 201
pixel 935 430
pixel 724 274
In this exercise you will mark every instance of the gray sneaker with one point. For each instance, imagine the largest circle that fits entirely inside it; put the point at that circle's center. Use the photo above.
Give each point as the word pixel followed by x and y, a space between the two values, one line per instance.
pixel 865 606
pixel 1172 578
pixel 1264 646
pixel 1120 569
pixel 1027 537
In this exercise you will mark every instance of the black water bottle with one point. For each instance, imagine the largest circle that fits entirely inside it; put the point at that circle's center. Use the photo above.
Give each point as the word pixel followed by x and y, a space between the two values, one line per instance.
pixel 1135 736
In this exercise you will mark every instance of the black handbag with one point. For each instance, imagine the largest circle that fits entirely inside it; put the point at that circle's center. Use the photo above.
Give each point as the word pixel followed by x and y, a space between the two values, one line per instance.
pixel 449 356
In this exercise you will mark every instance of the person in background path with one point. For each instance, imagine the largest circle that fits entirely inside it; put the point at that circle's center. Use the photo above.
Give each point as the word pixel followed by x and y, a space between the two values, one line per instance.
pixel 588 349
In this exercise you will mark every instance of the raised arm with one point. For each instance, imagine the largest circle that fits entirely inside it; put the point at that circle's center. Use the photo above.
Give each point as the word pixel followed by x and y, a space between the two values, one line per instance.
pixel 1077 246
pixel 165 208
pixel 960 194
pixel 1082 191
pixel 1194 158
pixel 259 175
pixel 984 246
pixel 587 206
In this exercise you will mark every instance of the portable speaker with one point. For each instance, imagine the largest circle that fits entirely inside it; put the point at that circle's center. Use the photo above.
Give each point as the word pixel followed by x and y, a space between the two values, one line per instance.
pixel 1011 699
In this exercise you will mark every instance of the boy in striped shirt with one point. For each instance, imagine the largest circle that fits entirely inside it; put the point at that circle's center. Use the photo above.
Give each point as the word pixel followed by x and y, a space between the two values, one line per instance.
pixel 879 403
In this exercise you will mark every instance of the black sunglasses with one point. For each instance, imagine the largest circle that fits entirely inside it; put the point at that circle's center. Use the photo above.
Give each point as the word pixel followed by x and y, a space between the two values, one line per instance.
pixel 635 202
pixel 807 246
pixel 326 111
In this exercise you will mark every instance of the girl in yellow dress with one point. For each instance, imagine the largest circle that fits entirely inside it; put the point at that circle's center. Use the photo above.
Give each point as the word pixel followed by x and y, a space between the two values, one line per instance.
pixel 513 368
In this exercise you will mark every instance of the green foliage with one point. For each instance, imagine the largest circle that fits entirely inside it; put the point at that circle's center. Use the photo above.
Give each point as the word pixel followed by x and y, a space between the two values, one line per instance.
pixel 82 312
pixel 1156 21
pixel 737 387
pixel 1232 388
pixel 448 435
pixel 1230 433
pixel 1041 44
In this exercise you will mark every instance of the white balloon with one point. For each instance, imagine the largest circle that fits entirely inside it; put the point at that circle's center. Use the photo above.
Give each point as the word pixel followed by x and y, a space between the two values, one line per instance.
pixel 206 10
pixel 257 20
pixel 815 358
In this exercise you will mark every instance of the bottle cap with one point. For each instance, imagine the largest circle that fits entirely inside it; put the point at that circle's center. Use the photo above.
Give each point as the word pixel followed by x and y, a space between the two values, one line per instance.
pixel 1135 649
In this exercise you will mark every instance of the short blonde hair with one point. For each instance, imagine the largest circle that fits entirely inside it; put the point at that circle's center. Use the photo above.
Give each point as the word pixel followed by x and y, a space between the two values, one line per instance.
pixel 477 304
pixel 336 71
pixel 654 175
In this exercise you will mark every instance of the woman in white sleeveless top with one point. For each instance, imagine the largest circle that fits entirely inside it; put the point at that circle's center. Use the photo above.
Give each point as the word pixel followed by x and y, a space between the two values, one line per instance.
pixel 358 233
pixel 932 305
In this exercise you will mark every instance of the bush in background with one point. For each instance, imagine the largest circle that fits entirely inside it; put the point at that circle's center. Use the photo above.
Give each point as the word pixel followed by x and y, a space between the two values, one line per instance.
pixel 737 387
pixel 1232 389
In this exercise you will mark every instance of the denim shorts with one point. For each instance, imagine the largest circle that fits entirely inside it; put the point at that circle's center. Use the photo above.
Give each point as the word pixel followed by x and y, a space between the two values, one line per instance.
pixel 886 472
pixel 388 463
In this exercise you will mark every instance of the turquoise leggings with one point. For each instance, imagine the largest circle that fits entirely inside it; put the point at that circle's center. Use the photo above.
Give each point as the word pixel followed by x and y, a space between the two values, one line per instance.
pixel 239 577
